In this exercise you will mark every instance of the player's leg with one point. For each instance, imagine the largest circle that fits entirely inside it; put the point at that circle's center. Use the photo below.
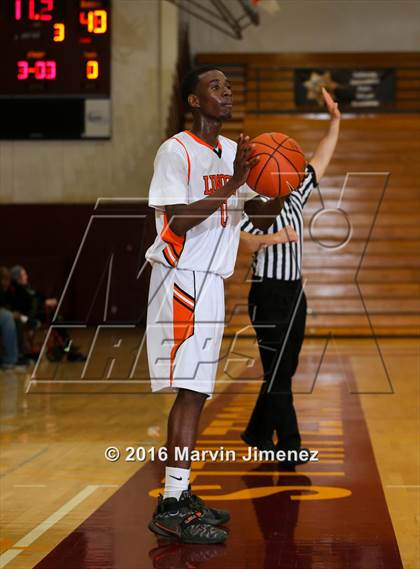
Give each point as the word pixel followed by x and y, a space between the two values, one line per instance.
pixel 183 423
pixel 175 350
pixel 179 512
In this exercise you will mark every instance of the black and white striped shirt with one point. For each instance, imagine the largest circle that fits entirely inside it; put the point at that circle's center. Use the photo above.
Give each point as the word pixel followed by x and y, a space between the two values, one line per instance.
pixel 284 261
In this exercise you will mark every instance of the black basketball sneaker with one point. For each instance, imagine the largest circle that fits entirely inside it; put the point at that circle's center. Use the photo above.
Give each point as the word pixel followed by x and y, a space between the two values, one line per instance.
pixel 291 464
pixel 211 516
pixel 177 519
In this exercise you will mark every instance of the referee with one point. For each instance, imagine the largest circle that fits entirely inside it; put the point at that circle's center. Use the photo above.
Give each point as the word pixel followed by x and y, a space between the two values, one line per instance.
pixel 277 304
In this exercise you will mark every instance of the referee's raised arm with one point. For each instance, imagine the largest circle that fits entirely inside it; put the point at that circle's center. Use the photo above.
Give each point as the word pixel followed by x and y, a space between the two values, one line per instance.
pixel 323 154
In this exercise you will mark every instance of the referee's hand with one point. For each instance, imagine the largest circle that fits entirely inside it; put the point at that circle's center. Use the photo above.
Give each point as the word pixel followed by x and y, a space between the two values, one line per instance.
pixel 331 105
pixel 285 235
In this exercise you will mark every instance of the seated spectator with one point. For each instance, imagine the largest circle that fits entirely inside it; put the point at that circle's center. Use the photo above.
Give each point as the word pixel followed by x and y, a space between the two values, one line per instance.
pixel 9 355
pixel 38 309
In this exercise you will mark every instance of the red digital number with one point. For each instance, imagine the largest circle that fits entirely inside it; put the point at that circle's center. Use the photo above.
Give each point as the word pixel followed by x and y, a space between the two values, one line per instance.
pixel 43 15
pixel 51 70
pixel 42 70
pixel 23 70
pixel 48 6
pixel 18 9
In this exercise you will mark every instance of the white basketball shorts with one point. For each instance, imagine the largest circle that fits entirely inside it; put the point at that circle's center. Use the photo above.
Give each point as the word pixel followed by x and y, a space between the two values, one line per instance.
pixel 185 322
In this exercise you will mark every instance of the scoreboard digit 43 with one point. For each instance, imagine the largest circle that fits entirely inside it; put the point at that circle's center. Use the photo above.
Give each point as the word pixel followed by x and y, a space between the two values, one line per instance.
pixel 56 61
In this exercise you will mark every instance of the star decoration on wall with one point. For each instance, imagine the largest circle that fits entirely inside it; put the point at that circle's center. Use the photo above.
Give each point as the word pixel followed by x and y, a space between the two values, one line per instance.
pixel 315 83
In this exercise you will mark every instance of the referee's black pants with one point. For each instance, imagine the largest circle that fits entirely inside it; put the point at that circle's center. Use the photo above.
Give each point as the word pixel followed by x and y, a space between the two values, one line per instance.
pixel 272 306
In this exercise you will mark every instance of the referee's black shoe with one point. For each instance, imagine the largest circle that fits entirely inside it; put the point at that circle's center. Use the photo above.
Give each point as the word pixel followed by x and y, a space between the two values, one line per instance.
pixel 253 441
pixel 212 516
pixel 177 519
pixel 290 464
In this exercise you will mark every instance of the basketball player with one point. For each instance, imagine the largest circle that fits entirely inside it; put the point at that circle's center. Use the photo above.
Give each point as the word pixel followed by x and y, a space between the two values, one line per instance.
pixel 199 193
pixel 277 306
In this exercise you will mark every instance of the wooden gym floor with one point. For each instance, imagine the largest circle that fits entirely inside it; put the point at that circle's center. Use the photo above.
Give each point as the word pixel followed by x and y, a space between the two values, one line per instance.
pixel 64 506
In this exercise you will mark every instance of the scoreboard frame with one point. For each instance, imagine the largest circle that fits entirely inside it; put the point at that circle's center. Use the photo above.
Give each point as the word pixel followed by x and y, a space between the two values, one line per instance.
pixel 57 67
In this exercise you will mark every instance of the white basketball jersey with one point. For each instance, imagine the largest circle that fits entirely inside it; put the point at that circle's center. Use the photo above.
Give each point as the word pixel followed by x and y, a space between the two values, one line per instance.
pixel 187 169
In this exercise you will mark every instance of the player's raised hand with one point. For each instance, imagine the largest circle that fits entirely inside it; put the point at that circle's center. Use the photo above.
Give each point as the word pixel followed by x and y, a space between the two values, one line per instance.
pixel 331 105
pixel 243 161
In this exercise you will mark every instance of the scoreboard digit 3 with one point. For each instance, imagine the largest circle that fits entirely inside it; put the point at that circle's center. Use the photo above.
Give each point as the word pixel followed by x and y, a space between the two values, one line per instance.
pixel 55 71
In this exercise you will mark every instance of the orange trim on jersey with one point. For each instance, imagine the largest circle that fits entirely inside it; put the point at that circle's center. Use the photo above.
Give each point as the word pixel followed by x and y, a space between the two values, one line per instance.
pixel 181 292
pixel 188 156
pixel 183 319
pixel 223 214
pixel 175 243
pixel 184 295
pixel 203 142
pixel 169 257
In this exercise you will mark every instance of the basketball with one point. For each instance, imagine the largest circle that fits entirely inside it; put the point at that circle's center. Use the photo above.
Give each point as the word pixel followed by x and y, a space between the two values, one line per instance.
pixel 281 165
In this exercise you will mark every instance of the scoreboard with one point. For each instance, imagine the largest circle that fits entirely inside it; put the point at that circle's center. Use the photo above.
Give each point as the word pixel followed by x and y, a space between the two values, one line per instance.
pixel 55 68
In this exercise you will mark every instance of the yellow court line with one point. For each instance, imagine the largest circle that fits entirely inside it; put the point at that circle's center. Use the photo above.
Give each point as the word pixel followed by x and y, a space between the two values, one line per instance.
pixel 240 459
pixel 322 443
pixel 219 441
pixel 331 455
pixel 330 449
pixel 263 473
pixel 29 485
pixel 44 526
pixel 402 486
pixel 237 424
pixel 322 432
pixel 222 442
pixel 324 450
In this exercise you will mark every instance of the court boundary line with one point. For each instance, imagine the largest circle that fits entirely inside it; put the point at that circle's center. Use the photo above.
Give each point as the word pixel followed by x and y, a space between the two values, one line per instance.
pixel 40 529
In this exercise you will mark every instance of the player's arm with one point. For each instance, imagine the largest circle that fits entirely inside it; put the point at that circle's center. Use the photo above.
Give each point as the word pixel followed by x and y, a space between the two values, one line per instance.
pixel 256 242
pixel 263 213
pixel 326 147
pixel 183 217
